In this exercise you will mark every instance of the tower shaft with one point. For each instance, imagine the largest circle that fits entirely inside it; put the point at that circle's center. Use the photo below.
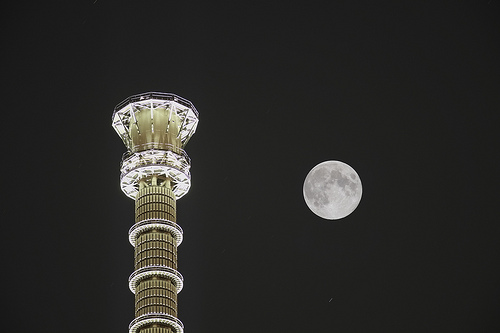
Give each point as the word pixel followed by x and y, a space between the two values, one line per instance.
pixel 155 247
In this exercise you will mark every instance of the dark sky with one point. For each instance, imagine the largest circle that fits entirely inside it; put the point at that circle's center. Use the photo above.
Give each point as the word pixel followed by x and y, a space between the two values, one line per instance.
pixel 406 92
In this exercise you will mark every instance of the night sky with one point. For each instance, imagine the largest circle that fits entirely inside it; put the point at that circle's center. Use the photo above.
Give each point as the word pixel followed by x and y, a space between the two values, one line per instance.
pixel 406 92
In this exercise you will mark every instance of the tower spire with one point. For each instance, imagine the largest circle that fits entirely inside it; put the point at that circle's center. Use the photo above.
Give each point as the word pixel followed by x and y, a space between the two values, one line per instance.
pixel 155 127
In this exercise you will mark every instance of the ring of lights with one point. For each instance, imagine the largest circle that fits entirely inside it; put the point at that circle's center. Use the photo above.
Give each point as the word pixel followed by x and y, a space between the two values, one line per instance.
pixel 179 160
pixel 158 163
pixel 161 318
pixel 129 182
pixel 166 225
pixel 146 272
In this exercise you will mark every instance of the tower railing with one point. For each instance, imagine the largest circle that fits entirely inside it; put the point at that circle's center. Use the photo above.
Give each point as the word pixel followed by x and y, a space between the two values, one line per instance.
pixel 156 95
pixel 157 146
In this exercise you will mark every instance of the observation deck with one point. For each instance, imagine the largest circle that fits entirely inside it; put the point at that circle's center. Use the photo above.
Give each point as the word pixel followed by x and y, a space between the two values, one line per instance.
pixel 133 124
pixel 155 127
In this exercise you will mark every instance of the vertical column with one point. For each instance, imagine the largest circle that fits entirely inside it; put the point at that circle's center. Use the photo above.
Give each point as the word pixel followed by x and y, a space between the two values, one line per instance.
pixel 155 293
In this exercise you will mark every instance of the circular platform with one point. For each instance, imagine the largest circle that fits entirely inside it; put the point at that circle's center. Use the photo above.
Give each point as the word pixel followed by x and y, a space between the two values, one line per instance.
pixel 166 225
pixel 161 163
pixel 160 318
pixel 145 272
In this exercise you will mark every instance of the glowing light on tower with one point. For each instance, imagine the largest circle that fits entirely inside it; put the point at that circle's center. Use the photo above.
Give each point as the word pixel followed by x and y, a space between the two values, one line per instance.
pixel 155 128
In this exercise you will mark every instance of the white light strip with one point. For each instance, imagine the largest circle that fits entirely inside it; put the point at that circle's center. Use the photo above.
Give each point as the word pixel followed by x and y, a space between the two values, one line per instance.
pixel 148 224
pixel 136 166
pixel 145 272
pixel 129 182
pixel 167 155
pixel 152 318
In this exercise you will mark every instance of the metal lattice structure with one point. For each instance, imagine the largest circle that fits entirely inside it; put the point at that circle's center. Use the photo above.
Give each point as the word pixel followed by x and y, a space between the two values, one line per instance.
pixel 159 152
pixel 155 127
pixel 125 111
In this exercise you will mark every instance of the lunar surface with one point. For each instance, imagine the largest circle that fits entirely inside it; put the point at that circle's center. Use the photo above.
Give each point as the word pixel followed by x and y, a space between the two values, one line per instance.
pixel 332 190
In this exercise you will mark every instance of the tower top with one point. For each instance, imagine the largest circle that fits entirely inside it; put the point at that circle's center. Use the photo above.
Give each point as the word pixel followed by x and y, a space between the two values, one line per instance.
pixel 155 127
pixel 154 119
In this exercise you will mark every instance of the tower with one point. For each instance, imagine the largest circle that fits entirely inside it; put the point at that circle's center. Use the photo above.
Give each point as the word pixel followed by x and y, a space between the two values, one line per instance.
pixel 155 127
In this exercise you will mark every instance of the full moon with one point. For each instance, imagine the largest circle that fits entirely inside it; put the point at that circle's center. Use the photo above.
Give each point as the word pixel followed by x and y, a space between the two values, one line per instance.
pixel 332 190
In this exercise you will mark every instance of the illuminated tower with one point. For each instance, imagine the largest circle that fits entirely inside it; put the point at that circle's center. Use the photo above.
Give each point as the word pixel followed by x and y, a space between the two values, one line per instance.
pixel 155 173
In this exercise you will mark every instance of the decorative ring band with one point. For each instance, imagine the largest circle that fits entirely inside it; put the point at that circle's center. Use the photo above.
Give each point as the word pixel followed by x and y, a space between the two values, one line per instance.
pixel 146 272
pixel 149 224
pixel 156 318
